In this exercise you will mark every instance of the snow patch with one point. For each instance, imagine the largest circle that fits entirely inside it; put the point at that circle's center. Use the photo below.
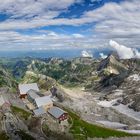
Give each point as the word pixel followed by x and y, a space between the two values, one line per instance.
pixel 118 92
pixel 112 124
pixel 130 131
pixel 134 77
pixel 107 103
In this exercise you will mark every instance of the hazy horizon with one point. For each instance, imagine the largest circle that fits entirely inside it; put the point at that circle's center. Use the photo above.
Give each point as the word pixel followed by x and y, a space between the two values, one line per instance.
pixel 60 53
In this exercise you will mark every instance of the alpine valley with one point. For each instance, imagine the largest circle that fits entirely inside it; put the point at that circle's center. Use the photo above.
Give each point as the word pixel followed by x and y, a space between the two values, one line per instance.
pixel 101 96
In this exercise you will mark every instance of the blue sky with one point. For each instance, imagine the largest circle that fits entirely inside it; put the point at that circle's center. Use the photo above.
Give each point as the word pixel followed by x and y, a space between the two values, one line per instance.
pixel 62 24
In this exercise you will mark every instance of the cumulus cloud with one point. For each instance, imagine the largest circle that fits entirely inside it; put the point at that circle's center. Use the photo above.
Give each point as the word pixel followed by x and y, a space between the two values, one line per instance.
pixel 85 53
pixel 102 55
pixel 123 51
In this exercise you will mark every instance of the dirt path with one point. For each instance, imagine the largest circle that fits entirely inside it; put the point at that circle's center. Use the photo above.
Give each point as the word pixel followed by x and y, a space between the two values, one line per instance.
pixel 42 121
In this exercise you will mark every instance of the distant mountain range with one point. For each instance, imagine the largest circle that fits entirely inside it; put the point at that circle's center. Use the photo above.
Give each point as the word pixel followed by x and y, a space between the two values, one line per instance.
pixel 62 53
pixel 94 74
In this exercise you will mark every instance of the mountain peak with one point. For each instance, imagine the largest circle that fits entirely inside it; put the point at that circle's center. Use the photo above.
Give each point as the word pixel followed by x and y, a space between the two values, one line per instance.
pixel 114 55
pixel 112 64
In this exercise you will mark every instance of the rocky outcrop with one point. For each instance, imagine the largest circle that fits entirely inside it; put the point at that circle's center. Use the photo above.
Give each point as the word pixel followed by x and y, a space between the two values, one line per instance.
pixel 44 82
pixel 6 79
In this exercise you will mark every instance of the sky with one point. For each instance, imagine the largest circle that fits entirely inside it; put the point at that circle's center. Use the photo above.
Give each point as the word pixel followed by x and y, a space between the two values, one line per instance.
pixel 68 24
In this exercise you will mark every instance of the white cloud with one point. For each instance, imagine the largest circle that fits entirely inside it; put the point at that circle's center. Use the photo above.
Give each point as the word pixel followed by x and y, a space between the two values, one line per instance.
pixel 78 35
pixel 136 53
pixel 30 8
pixel 102 55
pixel 25 14
pixel 123 51
pixel 53 34
pixel 119 21
pixel 85 53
